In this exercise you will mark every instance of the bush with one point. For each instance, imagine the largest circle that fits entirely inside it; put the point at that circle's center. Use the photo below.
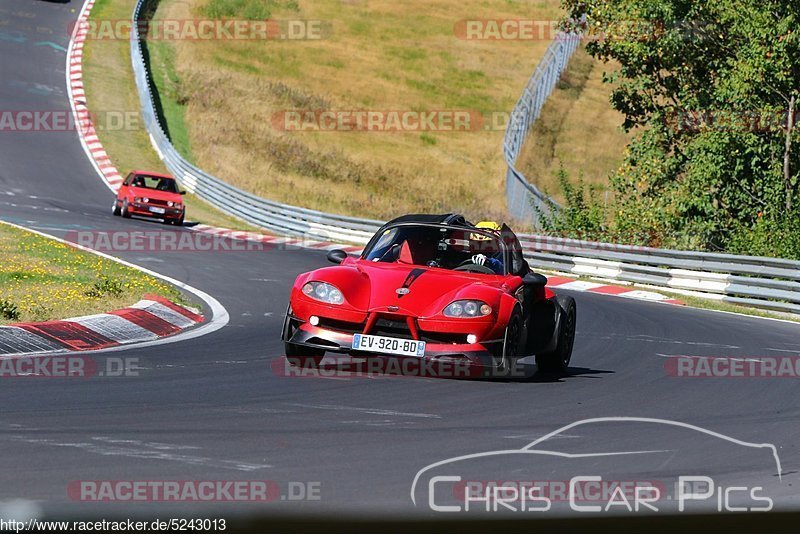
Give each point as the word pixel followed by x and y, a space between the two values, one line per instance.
pixel 8 310
pixel 105 286
pixel 777 237
pixel 583 215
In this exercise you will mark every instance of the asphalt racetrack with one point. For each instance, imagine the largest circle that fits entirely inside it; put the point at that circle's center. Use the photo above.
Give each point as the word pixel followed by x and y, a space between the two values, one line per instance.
pixel 218 408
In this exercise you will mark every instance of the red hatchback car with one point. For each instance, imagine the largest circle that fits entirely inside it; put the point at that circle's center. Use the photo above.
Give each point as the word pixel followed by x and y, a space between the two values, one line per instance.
pixel 150 195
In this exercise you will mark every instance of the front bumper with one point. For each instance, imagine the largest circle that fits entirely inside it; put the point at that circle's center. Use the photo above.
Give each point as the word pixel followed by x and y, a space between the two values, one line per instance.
pixel 143 210
pixel 467 356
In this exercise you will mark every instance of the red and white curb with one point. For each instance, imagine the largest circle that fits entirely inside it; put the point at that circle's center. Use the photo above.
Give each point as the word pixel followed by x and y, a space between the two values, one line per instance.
pixel 562 282
pixel 277 242
pixel 149 319
pixel 87 132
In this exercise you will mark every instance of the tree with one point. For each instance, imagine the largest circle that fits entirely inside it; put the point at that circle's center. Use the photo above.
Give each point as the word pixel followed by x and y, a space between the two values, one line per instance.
pixel 710 87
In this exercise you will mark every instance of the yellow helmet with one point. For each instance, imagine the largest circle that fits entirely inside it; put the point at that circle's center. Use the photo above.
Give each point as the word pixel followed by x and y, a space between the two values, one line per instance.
pixel 485 225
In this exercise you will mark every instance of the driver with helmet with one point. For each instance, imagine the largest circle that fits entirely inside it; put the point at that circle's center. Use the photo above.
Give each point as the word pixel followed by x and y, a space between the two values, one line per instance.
pixel 495 260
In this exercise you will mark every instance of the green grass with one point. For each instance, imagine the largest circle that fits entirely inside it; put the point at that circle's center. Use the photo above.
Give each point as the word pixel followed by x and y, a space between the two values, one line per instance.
pixel 246 9
pixel 42 279
pixel 174 100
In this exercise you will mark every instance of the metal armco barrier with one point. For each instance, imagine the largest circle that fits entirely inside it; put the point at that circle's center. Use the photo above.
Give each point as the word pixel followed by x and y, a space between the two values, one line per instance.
pixel 766 283
pixel 525 202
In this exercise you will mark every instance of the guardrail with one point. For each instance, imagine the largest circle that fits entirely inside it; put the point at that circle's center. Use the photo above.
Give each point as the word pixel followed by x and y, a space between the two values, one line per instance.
pixel 766 283
pixel 525 201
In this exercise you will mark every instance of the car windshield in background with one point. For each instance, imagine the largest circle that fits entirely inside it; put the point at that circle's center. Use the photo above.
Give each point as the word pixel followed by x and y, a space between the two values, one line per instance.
pixel 434 246
pixel 155 182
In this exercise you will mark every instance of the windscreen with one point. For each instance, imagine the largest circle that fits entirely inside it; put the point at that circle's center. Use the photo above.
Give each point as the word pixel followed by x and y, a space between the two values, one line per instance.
pixel 434 246
pixel 155 182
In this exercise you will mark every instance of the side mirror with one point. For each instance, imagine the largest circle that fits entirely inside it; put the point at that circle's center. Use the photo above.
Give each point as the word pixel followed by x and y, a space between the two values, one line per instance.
pixel 534 280
pixel 183 192
pixel 337 256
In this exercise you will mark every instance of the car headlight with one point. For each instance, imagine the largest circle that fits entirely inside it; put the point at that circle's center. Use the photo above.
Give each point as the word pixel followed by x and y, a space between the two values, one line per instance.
pixel 467 308
pixel 145 200
pixel 323 292
pixel 170 203
pixel 137 199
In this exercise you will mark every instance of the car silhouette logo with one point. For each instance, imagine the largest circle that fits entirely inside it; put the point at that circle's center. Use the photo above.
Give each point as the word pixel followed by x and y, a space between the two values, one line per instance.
pixel 403 291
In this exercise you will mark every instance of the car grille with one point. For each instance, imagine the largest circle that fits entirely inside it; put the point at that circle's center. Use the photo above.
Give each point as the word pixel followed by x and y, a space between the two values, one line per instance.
pixel 341 326
pixel 157 202
pixel 392 328
pixel 443 338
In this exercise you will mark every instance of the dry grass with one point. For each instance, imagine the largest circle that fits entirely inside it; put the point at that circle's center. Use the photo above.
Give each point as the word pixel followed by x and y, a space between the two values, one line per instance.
pixel 378 55
pixel 110 87
pixel 578 129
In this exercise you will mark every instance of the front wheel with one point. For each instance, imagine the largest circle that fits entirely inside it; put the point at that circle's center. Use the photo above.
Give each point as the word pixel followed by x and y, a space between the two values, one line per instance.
pixel 506 360
pixel 125 213
pixel 558 360
pixel 115 209
pixel 298 355
pixel 303 357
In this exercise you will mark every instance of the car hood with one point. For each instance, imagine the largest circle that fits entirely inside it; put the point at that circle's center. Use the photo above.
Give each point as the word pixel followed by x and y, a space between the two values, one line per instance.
pixel 423 291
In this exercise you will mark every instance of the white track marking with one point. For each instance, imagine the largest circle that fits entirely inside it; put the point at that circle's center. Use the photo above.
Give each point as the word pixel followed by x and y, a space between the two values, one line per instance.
pixel 372 411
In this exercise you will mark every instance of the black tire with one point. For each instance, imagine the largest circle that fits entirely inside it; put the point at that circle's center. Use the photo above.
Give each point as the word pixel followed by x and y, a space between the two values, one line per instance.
pixel 506 358
pixel 125 213
pixel 178 222
pixel 558 360
pixel 303 357
pixel 298 355
pixel 115 209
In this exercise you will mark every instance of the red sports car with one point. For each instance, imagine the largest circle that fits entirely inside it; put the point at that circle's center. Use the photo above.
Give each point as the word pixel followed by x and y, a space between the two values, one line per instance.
pixel 435 288
pixel 150 195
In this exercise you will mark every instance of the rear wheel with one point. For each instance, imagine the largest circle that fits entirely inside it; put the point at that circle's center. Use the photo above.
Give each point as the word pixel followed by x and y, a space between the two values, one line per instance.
pixel 558 360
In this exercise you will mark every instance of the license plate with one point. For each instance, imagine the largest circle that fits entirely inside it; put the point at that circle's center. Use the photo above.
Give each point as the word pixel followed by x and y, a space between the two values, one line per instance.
pixel 388 345
pixel 157 210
